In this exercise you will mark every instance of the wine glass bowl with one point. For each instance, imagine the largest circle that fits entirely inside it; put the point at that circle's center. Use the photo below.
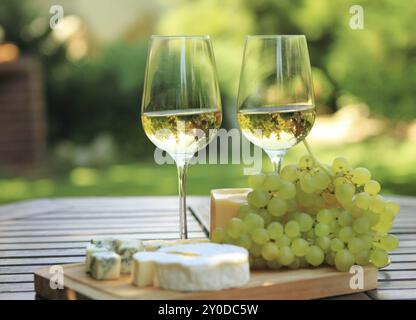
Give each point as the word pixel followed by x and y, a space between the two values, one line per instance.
pixel 181 105
pixel 275 99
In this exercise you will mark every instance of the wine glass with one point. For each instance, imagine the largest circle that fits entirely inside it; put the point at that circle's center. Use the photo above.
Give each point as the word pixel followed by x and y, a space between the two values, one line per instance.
pixel 275 101
pixel 181 106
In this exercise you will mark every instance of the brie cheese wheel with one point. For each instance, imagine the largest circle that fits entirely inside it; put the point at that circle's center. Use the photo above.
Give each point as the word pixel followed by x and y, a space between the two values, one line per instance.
pixel 225 204
pixel 153 245
pixel 192 267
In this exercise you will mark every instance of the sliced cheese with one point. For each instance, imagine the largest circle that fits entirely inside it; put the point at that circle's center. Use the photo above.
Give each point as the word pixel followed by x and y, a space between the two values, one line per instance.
pixel 126 249
pixel 192 267
pixel 225 204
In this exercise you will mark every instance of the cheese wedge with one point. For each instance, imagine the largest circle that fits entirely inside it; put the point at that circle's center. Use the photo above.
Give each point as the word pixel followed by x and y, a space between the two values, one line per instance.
pixel 225 204
pixel 192 267
pixel 90 250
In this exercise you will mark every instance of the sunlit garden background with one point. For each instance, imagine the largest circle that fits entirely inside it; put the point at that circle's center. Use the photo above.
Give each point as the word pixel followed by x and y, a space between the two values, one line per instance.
pixel 89 76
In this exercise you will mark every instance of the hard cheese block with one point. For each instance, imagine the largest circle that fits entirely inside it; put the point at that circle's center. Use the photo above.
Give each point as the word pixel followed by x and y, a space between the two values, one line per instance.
pixel 225 204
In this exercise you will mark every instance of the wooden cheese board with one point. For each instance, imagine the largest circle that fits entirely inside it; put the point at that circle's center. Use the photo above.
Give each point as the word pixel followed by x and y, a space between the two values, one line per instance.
pixel 265 284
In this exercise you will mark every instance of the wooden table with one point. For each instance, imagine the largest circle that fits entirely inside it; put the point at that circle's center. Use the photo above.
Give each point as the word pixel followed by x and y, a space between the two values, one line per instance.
pixel 47 232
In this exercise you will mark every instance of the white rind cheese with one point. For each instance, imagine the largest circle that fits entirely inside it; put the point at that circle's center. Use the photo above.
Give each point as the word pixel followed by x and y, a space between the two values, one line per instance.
pixel 105 265
pixel 193 267
pixel 153 245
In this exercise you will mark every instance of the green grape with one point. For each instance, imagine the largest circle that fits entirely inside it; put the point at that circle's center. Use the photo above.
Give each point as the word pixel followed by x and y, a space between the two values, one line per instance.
pixel 330 258
pixel 286 256
pixel 355 245
pixel 259 263
pixel 253 221
pixel 310 235
pixel 300 247
pixel 218 235
pixel 272 183
pixel 322 180
pixel 291 205
pixel 287 190
pixel 244 210
pixel 340 165
pixel 277 207
pixel 325 216
pixel 389 242
pixel 305 221
pixel 258 198
pixel 244 241
pixel 384 224
pixel 307 184
pixel 344 260
pixel 379 258
pixel 372 217
pixel 361 225
pixel 305 162
pixel 372 187
pixel 228 239
pixel 344 192
pixel 235 228
pixel 284 241
pixel 269 251
pixel 345 234
pixel 360 176
pixel 289 173
pixel 367 241
pixel 266 216
pixel 362 200
pixel 255 250
pixel 377 204
pixel 292 229
pixel 345 219
pixel 336 245
pixel 315 256
pixel 275 230
pixel 362 257
pixel 273 264
pixel 256 181
pixel 304 199
pixel 295 264
pixel 322 229
pixel 392 206
pixel 260 236
pixel 324 243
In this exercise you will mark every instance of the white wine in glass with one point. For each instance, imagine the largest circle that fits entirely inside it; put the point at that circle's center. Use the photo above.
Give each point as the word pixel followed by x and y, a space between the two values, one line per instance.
pixel 181 107
pixel 275 100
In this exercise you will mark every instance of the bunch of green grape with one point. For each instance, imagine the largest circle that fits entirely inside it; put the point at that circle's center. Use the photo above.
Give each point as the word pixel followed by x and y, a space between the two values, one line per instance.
pixel 313 214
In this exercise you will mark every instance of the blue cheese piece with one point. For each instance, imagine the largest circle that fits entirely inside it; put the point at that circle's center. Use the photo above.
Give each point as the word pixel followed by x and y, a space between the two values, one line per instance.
pixel 91 249
pixel 126 249
pixel 109 243
pixel 105 265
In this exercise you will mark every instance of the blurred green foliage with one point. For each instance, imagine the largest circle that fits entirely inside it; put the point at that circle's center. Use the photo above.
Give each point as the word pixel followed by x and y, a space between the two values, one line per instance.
pixel 95 101
pixel 102 92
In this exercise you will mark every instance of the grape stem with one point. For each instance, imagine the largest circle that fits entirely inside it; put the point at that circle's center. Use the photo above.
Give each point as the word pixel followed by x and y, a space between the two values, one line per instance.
pixel 315 161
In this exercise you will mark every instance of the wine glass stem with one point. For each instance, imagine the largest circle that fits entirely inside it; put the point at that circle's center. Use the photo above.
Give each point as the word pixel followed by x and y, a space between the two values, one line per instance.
pixel 182 169
pixel 276 156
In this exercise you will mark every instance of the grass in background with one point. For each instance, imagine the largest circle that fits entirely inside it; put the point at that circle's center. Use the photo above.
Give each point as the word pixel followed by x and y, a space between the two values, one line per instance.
pixel 390 161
